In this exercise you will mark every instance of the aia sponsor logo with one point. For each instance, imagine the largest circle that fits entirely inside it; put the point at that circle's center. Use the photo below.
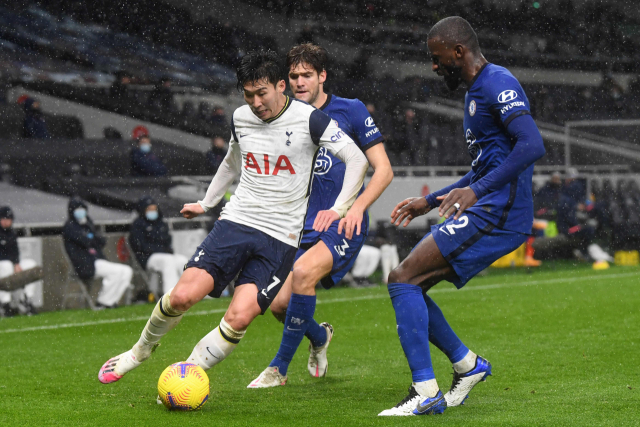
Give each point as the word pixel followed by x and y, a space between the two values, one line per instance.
pixel 282 164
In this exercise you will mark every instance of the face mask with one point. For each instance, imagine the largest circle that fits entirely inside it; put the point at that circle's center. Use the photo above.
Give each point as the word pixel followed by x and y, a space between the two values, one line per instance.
pixel 80 214
pixel 145 148
pixel 152 215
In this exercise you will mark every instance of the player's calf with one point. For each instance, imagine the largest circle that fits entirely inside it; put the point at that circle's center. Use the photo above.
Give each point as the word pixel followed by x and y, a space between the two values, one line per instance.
pixel 163 318
pixel 216 346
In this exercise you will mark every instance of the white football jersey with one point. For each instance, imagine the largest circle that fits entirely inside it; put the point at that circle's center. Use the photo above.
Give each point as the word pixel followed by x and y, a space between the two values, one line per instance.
pixel 276 159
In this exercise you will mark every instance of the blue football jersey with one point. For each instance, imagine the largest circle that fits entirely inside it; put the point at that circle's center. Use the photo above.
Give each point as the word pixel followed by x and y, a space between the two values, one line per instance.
pixel 493 100
pixel 353 118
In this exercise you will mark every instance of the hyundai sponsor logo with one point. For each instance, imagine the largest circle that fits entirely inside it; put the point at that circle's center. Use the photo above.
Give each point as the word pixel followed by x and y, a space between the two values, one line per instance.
pixel 371 132
pixel 512 105
pixel 507 95
pixel 369 122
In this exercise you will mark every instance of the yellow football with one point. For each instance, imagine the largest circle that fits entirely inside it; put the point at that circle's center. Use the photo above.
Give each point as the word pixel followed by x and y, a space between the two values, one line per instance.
pixel 183 386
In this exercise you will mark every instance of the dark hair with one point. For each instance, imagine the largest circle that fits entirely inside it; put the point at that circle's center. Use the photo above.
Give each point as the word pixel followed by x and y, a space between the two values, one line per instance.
pixel 259 65
pixel 308 53
pixel 456 30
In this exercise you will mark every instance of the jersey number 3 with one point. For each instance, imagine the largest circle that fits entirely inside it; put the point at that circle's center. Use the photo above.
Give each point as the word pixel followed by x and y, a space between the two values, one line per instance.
pixel 282 164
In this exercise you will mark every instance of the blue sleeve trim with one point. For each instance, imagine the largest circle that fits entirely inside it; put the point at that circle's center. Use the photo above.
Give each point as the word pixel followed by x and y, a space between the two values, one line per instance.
pixel 378 140
pixel 318 122
pixel 514 115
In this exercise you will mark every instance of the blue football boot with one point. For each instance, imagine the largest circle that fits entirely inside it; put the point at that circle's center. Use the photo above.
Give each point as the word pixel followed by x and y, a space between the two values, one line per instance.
pixel 463 383
pixel 410 405
pixel 431 405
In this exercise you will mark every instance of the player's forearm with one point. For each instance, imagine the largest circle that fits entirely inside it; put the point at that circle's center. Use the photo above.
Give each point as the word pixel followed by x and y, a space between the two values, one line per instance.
pixel 355 170
pixel 224 177
pixel 382 177
pixel 528 148
pixel 463 182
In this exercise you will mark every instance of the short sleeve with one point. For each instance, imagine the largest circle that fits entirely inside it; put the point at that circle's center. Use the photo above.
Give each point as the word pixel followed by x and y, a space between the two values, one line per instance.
pixel 506 98
pixel 318 122
pixel 333 138
pixel 365 132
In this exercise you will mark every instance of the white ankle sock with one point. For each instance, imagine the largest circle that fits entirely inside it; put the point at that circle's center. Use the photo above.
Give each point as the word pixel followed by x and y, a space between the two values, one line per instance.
pixel 427 388
pixel 466 364
pixel 215 346
pixel 162 320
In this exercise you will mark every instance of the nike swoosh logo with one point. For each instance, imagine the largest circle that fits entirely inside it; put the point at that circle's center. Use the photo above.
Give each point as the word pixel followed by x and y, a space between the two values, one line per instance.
pixel 241 136
pixel 423 408
pixel 212 354
pixel 293 329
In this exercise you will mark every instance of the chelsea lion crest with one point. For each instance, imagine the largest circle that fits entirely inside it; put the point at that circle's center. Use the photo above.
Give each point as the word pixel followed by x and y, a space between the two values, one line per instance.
pixel 472 107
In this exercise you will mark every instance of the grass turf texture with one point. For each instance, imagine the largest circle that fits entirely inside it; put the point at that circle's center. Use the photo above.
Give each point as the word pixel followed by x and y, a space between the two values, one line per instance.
pixel 563 343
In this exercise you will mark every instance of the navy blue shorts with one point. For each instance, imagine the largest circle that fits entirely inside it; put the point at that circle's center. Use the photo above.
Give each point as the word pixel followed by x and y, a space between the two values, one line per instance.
pixel 344 251
pixel 235 251
pixel 471 244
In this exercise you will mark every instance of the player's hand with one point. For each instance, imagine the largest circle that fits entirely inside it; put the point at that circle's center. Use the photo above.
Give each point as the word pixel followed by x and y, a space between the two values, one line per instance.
pixel 463 197
pixel 16 268
pixel 351 222
pixel 324 219
pixel 409 209
pixel 191 210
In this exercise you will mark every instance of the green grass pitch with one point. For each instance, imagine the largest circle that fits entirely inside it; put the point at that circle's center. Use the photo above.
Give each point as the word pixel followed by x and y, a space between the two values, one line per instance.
pixel 564 344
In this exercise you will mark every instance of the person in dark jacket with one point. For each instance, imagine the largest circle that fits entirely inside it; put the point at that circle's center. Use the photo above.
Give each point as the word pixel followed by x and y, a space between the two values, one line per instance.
pixel 84 246
pixel 34 125
pixel 151 244
pixel 144 162
pixel 216 155
pixel 545 200
pixel 19 301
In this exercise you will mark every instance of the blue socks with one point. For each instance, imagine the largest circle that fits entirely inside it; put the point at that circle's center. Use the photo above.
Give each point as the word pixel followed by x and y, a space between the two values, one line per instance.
pixel 299 321
pixel 316 334
pixel 412 318
pixel 441 335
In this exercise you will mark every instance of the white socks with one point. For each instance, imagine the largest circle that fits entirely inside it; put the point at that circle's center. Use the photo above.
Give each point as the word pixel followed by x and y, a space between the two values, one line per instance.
pixel 162 320
pixel 427 388
pixel 466 364
pixel 215 346
pixel 430 388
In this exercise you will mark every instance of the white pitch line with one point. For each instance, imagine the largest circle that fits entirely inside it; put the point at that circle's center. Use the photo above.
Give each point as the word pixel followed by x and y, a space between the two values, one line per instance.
pixel 331 301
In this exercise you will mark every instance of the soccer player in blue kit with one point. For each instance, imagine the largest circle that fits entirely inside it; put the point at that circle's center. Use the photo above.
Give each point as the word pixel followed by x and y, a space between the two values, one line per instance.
pixel 324 256
pixel 489 213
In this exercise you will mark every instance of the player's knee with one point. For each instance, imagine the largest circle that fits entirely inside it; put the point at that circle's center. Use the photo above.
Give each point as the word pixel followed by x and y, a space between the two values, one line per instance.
pixel 398 275
pixel 303 278
pixel 238 320
pixel 180 299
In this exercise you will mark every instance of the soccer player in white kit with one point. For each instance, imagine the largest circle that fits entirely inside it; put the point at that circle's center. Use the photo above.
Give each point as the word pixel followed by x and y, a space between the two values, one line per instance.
pixel 273 146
